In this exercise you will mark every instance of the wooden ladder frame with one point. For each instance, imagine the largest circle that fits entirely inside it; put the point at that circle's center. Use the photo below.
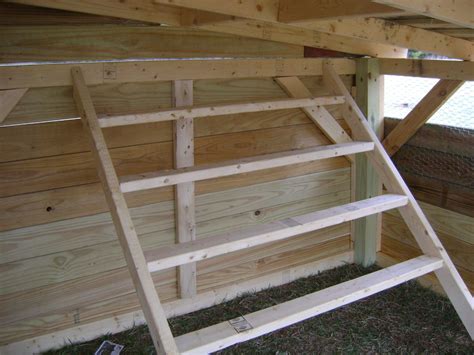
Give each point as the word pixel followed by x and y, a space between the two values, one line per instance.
pixel 189 251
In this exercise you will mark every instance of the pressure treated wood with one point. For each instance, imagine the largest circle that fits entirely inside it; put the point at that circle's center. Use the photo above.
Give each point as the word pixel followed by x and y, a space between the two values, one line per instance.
pixel 426 237
pixel 420 114
pixel 203 172
pixel 210 111
pixel 146 10
pixel 8 101
pixel 115 42
pixel 179 254
pixel 319 115
pixel 50 75
pixel 222 335
pixel 306 10
pixel 156 320
pixel 382 31
pixel 366 183
pixel 125 321
pixel 459 12
pixel 183 135
pixel 442 69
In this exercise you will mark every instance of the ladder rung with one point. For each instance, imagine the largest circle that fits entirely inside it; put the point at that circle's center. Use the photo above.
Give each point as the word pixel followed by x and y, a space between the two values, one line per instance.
pixel 224 334
pixel 196 112
pixel 267 161
pixel 179 254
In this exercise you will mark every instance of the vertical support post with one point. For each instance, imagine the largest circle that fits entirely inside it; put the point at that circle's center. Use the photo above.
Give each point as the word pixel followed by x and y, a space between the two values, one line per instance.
pixel 366 184
pixel 183 132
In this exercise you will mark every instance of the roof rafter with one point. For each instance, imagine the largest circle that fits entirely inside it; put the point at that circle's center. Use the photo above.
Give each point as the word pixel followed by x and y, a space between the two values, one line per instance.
pixel 160 12
pixel 459 12
pixel 372 30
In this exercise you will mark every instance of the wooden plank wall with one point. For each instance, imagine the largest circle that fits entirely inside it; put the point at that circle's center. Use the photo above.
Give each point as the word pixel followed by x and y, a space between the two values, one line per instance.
pixel 60 262
pixel 437 165
pixel 57 241
pixel 40 35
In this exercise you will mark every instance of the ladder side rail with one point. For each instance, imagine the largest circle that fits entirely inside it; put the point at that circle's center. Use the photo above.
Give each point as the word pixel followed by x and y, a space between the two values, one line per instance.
pixel 153 311
pixel 412 214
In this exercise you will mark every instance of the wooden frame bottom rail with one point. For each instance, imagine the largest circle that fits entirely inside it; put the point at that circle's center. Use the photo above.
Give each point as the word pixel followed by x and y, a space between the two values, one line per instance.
pixel 224 334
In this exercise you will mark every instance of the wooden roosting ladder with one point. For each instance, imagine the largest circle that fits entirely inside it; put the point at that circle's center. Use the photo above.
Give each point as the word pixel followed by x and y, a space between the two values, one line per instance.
pixel 186 253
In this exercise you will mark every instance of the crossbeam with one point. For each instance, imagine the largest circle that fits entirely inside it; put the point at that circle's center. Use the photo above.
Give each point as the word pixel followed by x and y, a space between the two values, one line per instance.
pixel 179 254
pixel 218 110
pixel 222 335
pixel 260 162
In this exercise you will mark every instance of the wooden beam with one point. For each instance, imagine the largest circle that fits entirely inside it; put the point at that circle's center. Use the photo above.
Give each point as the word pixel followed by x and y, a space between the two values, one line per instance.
pixel 365 183
pixel 240 166
pixel 49 75
pixel 8 101
pixel 149 300
pixel 140 10
pixel 183 138
pixel 131 41
pixel 420 227
pixel 381 31
pixel 258 323
pixel 280 32
pixel 371 30
pixel 218 110
pixel 420 114
pixel 442 69
pixel 318 114
pixel 459 12
pixel 179 254
pixel 122 322
pixel 304 10
pixel 154 12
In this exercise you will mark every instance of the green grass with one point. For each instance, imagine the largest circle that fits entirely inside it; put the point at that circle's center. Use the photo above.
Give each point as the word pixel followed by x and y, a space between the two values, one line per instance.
pixel 405 319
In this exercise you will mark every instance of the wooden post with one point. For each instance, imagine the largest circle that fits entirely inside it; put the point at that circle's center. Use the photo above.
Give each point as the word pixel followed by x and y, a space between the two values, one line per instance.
pixel 183 131
pixel 366 184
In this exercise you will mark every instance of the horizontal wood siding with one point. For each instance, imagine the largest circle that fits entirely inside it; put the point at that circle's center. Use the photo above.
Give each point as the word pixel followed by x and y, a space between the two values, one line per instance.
pixel 62 43
pixel 57 241
pixel 455 230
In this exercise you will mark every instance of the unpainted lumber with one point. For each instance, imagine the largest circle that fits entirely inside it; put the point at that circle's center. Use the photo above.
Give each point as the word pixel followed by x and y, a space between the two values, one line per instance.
pixel 149 300
pixel 425 236
pixel 125 321
pixel 420 114
pixel 183 139
pixel 203 172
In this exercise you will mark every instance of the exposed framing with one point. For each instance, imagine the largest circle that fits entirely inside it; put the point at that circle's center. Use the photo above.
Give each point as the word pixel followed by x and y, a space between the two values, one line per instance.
pixel 436 258
pixel 420 114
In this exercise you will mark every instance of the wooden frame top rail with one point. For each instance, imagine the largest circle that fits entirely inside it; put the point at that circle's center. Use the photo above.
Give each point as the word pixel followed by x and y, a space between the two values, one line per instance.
pixel 260 162
pixel 442 69
pixel 49 75
pixel 208 111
